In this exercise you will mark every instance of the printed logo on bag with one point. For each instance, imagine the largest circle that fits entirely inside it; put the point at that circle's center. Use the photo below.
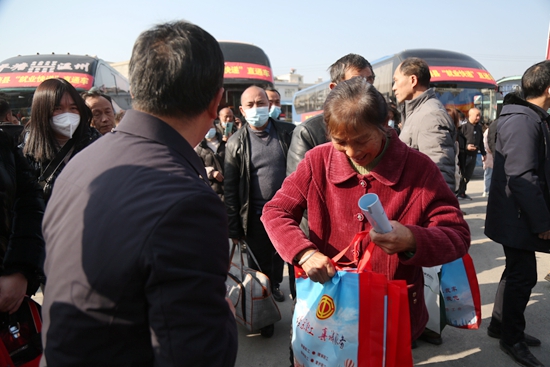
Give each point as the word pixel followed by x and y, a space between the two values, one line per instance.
pixel 326 308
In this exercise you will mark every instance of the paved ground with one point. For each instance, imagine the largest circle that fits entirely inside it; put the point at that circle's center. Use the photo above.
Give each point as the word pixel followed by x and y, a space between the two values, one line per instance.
pixel 460 347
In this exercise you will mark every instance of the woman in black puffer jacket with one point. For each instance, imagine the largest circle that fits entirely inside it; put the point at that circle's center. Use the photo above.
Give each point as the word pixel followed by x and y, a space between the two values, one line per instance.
pixel 58 130
pixel 21 211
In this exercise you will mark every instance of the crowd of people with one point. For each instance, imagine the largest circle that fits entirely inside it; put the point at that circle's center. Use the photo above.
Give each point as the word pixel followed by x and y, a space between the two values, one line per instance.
pixel 126 226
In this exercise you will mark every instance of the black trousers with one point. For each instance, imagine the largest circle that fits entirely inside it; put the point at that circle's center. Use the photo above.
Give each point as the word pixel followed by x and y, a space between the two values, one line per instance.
pixel 269 260
pixel 465 176
pixel 513 293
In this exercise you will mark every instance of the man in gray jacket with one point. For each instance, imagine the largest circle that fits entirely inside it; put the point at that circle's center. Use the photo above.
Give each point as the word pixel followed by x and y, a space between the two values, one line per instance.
pixel 426 125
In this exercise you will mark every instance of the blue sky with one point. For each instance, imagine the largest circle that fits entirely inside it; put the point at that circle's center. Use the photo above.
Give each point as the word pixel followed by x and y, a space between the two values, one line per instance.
pixel 506 36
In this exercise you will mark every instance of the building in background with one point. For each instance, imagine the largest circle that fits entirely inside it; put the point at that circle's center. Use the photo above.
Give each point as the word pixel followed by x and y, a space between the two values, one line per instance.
pixel 288 85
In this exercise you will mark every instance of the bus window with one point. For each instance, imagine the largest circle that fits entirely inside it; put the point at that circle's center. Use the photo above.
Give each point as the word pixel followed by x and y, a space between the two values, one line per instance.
pixel 106 80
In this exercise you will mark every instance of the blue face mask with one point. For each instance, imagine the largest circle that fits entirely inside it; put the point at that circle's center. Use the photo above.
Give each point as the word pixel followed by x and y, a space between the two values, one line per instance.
pixel 211 133
pixel 275 112
pixel 257 116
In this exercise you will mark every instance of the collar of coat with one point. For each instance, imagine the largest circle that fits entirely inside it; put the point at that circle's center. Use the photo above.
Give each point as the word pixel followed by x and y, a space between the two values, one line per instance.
pixel 388 171
pixel 150 127
pixel 411 105
pixel 513 99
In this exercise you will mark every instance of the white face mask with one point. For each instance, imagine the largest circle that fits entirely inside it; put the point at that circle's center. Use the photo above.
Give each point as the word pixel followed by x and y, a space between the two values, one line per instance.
pixel 257 116
pixel 275 112
pixel 391 123
pixel 65 123
pixel 211 133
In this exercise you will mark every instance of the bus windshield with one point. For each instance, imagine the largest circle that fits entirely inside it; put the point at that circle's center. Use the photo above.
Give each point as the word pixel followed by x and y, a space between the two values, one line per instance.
pixel 245 65
pixel 465 98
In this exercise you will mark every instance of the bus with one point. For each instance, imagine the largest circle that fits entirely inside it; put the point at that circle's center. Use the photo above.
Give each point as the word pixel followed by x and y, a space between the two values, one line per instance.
pixel 309 102
pixel 20 75
pixel 507 85
pixel 457 79
pixel 245 65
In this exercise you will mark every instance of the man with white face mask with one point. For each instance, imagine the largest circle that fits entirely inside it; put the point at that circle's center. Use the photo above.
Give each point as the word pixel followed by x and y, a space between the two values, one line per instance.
pixel 275 99
pixel 255 167
pixel 211 150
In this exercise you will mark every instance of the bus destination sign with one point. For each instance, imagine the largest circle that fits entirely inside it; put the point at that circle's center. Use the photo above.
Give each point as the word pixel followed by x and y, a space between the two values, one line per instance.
pixel 243 70
pixel 32 80
pixel 29 72
pixel 459 73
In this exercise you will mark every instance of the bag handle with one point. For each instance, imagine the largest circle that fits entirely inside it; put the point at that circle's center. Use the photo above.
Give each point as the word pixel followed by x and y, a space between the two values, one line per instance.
pixel 364 262
pixel 243 247
pixel 249 251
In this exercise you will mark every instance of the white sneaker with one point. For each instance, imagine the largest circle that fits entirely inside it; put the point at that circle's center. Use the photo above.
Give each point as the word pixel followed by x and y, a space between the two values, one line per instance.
pixel 484 194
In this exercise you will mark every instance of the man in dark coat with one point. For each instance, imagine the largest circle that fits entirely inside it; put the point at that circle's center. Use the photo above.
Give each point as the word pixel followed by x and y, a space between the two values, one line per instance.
pixel 211 151
pixel 255 168
pixel 137 252
pixel 518 214
pixel 473 133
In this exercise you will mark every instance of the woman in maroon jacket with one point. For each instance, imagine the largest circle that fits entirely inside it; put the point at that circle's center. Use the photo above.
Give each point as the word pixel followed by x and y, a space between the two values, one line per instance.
pixel 366 157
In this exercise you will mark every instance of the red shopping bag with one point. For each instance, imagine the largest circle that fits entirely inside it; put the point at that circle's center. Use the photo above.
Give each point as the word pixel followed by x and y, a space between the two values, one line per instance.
pixel 396 323
pixel 359 319
pixel 20 338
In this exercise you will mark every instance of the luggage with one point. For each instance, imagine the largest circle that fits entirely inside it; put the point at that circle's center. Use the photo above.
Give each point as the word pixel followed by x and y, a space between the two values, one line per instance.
pixel 250 292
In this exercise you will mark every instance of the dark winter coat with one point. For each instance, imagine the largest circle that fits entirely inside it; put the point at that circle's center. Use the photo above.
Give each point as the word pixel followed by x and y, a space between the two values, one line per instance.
pixel 21 212
pixel 237 174
pixel 89 135
pixel 306 136
pixel 213 162
pixel 518 208
pixel 137 256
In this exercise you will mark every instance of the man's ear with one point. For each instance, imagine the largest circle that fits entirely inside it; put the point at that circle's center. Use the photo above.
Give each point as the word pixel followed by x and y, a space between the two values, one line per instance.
pixel 332 85
pixel 213 106
pixel 414 80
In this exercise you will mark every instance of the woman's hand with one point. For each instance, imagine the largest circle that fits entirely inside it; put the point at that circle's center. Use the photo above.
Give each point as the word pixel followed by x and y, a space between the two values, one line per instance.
pixel 318 267
pixel 12 291
pixel 217 175
pixel 400 239
pixel 544 235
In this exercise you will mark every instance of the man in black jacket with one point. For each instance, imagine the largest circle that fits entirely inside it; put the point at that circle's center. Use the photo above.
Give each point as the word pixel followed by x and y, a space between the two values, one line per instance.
pixel 313 131
pixel 474 142
pixel 255 168
pixel 137 253
pixel 518 215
